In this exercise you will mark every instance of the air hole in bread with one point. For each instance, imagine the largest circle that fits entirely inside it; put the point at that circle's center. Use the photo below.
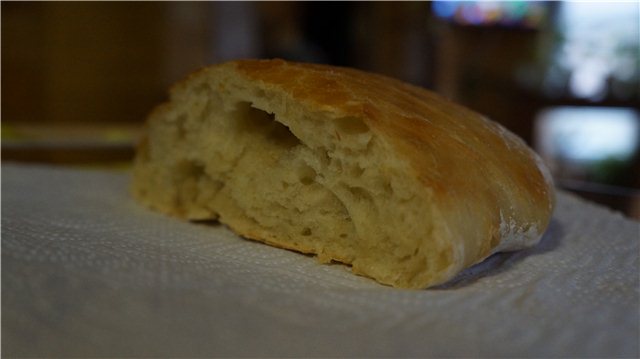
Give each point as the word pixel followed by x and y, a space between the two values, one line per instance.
pixel 356 171
pixel 351 126
pixel 386 186
pixel 306 174
pixel 360 194
pixel 190 169
pixel 254 120
pixel 187 176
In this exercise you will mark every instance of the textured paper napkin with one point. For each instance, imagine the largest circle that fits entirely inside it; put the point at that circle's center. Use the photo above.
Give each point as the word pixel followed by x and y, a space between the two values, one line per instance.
pixel 87 272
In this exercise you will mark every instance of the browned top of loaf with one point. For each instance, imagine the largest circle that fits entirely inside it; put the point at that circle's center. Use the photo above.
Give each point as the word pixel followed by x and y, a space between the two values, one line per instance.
pixel 460 155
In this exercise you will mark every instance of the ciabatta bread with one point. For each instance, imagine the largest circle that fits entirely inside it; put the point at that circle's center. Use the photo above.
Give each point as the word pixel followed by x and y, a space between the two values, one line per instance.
pixel 401 184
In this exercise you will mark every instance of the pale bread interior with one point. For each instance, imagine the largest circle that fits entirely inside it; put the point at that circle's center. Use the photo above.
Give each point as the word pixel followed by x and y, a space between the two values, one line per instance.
pixel 277 171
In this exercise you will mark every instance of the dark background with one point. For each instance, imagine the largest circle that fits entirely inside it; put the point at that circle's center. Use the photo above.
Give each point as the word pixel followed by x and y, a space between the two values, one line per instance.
pixel 78 78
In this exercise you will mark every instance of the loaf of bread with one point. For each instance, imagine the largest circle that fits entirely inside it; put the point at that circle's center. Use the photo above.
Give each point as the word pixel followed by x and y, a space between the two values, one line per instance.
pixel 404 186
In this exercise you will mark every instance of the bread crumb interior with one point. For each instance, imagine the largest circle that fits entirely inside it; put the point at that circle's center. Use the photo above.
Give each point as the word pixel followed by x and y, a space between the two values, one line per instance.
pixel 276 172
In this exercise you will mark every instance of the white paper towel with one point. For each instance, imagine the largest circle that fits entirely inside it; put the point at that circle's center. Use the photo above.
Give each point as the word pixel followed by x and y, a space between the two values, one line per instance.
pixel 87 272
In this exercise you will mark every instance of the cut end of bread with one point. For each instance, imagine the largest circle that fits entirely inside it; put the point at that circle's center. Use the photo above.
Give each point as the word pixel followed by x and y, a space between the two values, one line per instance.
pixel 296 172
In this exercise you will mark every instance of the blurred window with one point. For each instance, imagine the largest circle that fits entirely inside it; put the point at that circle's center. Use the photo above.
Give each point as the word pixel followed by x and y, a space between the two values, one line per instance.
pixel 588 134
pixel 593 144
pixel 597 51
